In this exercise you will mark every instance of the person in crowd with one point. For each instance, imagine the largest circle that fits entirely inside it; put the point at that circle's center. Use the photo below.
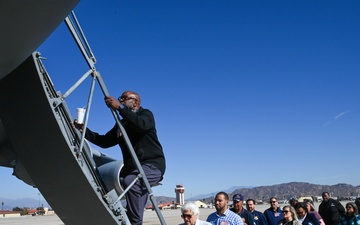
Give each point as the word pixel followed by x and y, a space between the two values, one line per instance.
pixel 357 203
pixel 330 210
pixel 290 217
pixel 139 124
pixel 303 216
pixel 259 218
pixel 223 215
pixel 293 202
pixel 351 216
pixel 238 208
pixel 273 214
pixel 190 214
pixel 311 209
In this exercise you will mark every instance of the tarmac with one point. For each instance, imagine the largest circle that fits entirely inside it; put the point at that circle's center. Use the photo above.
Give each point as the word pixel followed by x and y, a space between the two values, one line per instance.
pixel 171 217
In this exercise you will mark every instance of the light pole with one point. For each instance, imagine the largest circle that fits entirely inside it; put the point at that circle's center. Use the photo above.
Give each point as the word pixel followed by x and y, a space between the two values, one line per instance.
pixel 2 206
pixel 39 199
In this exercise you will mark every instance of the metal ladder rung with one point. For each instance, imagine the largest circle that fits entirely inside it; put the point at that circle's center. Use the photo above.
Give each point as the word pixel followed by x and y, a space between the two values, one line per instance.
pixel 79 37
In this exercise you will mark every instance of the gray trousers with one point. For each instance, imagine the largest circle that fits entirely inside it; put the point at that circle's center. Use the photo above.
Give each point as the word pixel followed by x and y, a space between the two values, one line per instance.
pixel 137 196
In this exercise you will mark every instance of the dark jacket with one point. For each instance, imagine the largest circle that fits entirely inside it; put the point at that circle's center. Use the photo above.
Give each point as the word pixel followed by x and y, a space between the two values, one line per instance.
pixel 249 220
pixel 259 218
pixel 331 211
pixel 273 217
pixel 310 219
pixel 140 128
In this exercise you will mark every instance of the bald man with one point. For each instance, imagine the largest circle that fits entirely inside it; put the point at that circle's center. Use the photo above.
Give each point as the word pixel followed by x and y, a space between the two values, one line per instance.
pixel 139 124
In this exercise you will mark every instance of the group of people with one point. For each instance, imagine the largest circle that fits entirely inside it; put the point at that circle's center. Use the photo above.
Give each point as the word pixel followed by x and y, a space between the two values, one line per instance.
pixel 139 124
pixel 331 212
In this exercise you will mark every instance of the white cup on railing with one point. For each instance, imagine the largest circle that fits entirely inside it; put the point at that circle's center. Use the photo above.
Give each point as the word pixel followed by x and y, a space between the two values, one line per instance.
pixel 80 114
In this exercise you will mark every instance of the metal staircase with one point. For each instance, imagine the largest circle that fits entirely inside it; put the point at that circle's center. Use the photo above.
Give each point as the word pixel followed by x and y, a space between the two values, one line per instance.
pixel 111 197
pixel 56 156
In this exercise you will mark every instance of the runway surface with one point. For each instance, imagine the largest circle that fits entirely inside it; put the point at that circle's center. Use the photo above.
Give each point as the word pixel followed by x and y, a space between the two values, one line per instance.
pixel 172 217
pixel 150 218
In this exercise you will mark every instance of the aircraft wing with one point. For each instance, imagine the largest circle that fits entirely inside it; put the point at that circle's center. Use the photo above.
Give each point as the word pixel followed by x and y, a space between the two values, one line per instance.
pixel 25 25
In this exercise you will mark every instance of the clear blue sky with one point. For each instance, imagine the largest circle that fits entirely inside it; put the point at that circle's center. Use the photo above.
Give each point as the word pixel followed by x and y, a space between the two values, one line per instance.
pixel 244 93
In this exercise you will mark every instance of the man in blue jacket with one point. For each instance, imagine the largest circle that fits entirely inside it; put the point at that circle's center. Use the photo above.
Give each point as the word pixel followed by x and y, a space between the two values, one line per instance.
pixel 259 218
pixel 273 214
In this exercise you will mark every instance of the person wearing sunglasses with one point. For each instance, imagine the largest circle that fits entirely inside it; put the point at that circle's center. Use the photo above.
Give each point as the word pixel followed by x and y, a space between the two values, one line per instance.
pixel 290 217
pixel 190 214
pixel 139 124
pixel 351 216
pixel 273 214
pixel 304 217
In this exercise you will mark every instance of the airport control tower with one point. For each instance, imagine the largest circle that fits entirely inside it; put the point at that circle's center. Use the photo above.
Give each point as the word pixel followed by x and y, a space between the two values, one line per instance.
pixel 179 190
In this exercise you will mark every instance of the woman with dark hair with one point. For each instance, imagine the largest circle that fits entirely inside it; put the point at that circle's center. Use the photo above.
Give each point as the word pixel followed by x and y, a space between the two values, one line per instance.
pixel 304 217
pixel 351 216
pixel 311 209
pixel 290 217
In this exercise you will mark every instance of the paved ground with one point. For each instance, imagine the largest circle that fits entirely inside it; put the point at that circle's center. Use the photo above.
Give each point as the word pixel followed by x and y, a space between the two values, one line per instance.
pixel 172 217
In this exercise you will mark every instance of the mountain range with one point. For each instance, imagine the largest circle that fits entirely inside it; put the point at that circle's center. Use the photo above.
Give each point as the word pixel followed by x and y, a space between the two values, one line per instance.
pixel 281 191
pixel 261 193
pixel 229 190
pixel 295 190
